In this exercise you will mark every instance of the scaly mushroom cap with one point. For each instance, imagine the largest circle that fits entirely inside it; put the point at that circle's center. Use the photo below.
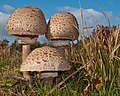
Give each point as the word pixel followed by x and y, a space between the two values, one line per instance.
pixel 62 25
pixel 45 59
pixel 26 21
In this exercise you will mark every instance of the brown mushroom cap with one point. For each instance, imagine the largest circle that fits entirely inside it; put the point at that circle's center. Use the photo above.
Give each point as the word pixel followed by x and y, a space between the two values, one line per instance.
pixel 45 59
pixel 62 25
pixel 26 21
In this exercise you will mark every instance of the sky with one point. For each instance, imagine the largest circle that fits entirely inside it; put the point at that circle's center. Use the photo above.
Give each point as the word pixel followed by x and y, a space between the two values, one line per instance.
pixel 92 11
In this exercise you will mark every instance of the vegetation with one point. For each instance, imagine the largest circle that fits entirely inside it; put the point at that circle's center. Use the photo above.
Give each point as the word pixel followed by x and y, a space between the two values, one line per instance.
pixel 95 69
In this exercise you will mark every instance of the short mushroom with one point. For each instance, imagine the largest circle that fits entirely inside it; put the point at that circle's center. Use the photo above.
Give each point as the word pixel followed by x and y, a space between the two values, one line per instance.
pixel 26 23
pixel 48 61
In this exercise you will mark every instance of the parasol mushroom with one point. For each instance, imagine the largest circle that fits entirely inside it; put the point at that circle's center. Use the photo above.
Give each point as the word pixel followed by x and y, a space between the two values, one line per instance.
pixel 62 28
pixel 48 61
pixel 26 23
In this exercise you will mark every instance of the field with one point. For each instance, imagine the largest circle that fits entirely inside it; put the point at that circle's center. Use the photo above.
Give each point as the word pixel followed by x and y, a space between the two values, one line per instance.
pixel 95 68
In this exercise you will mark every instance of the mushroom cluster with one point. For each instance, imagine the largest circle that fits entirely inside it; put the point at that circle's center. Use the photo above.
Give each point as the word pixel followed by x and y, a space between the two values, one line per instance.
pixel 28 23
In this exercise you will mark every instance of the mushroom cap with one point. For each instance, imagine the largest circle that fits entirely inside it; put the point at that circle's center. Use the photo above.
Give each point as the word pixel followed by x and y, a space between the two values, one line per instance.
pixel 62 25
pixel 45 59
pixel 27 20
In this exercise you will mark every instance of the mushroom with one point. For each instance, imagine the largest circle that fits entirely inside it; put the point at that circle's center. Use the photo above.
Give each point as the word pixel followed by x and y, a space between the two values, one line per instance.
pixel 26 23
pixel 61 29
pixel 48 61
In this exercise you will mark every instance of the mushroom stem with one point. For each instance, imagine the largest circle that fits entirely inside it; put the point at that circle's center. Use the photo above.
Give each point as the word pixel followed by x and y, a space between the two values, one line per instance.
pixel 48 78
pixel 62 50
pixel 26 74
pixel 60 44
pixel 25 51
pixel 49 82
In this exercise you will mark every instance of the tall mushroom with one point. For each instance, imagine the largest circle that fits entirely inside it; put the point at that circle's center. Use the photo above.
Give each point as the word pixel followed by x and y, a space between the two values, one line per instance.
pixel 48 61
pixel 26 23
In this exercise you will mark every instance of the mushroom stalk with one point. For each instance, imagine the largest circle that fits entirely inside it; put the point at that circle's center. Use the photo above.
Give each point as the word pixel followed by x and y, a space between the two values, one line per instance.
pixel 62 50
pixel 48 78
pixel 26 74
pixel 60 45
pixel 49 82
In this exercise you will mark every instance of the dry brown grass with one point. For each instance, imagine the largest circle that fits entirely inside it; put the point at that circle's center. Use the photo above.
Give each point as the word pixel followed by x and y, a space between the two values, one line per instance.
pixel 90 48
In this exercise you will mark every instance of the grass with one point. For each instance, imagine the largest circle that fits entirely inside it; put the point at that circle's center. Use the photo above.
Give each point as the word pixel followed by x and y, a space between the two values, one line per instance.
pixel 95 69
